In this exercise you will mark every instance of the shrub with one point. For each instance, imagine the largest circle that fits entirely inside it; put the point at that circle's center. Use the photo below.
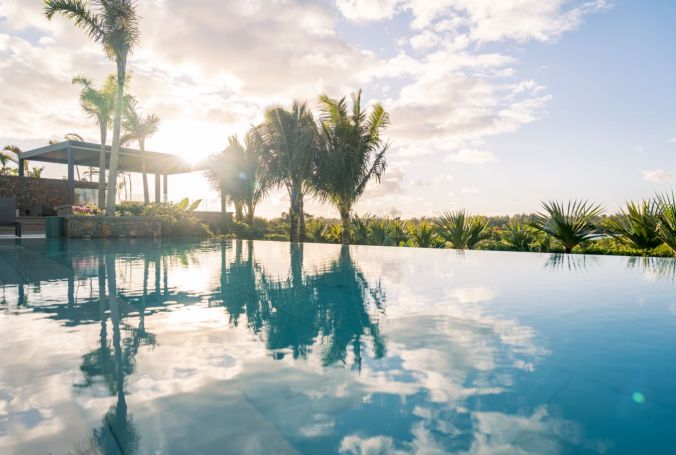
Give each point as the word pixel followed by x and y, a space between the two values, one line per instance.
pixel 460 230
pixel 176 221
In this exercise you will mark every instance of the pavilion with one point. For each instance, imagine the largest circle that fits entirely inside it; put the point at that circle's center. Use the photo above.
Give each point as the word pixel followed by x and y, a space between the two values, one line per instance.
pixel 75 153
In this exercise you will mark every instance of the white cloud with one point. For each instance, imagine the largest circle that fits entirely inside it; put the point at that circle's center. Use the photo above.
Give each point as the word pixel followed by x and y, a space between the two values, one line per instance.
pixel 672 140
pixel 469 190
pixel 367 10
pixel 472 156
pixel 659 176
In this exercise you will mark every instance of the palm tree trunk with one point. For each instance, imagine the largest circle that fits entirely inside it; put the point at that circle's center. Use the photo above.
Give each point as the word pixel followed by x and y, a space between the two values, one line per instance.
pixel 115 149
pixel 294 211
pixel 345 218
pixel 301 221
pixel 239 216
pixel 146 193
pixel 102 167
pixel 250 213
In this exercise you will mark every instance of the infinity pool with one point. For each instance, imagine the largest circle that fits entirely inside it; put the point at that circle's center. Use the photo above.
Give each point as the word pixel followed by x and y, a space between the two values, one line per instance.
pixel 153 347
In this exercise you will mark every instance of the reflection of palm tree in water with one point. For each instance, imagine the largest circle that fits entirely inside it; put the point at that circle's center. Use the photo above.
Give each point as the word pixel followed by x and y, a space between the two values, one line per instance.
pixel 343 294
pixel 118 433
pixel 293 314
pixel 238 291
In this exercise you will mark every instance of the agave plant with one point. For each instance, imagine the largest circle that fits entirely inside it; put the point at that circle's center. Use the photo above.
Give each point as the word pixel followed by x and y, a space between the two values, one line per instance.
pixel 460 230
pixel 667 219
pixel 638 226
pixel 570 224
pixel 422 234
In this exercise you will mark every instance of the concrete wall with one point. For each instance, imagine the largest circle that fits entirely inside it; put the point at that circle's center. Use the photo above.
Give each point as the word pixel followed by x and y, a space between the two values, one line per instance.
pixel 36 197
pixel 112 226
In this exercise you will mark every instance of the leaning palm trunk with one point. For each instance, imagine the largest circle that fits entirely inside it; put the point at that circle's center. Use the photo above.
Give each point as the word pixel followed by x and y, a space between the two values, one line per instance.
pixel 102 167
pixel 115 149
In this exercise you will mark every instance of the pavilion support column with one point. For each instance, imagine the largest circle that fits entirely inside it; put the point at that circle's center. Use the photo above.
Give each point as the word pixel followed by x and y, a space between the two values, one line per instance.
pixel 164 188
pixel 21 166
pixel 157 188
pixel 71 176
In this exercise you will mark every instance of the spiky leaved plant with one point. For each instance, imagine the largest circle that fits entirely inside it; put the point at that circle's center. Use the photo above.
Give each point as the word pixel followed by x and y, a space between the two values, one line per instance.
pixel 667 219
pixel 460 230
pixel 571 223
pixel 638 226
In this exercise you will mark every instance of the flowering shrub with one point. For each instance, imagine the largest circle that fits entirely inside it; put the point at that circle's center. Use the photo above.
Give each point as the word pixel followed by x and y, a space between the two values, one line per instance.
pixel 86 210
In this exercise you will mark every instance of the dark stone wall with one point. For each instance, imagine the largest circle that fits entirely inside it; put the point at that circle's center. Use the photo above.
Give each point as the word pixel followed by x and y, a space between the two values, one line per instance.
pixel 36 197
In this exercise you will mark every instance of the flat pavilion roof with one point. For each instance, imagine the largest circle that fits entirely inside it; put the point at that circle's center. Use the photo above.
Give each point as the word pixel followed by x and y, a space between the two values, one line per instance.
pixel 87 154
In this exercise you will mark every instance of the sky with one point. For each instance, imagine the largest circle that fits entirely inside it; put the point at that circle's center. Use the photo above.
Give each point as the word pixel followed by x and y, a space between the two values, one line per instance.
pixel 495 106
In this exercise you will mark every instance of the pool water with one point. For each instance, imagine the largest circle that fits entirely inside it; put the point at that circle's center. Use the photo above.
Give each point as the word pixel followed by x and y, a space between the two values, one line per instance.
pixel 148 347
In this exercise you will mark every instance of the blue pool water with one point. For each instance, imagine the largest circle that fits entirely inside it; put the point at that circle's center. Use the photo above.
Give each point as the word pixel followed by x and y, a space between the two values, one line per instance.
pixel 148 347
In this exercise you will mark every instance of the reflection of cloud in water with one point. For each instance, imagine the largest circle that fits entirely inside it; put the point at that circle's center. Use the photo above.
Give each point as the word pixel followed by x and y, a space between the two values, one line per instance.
pixel 366 333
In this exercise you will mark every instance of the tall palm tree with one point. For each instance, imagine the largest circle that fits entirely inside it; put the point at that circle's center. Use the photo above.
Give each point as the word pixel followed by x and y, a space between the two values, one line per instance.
pixel 139 127
pixel 352 152
pixel 114 24
pixel 224 174
pixel 100 105
pixel 289 139
pixel 571 224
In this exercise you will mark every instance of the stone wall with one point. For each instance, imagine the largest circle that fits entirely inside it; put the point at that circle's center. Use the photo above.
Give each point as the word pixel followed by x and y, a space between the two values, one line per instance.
pixel 38 196
pixel 112 226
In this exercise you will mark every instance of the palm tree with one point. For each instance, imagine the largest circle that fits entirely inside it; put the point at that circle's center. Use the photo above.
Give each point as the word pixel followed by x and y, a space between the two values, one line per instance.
pixel 114 24
pixel 289 143
pixel 571 224
pixel 100 105
pixel 352 152
pixel 237 172
pixel 638 227
pixel 225 170
pixel 139 127
pixel 460 230
pixel 6 158
pixel 12 154
pixel 667 219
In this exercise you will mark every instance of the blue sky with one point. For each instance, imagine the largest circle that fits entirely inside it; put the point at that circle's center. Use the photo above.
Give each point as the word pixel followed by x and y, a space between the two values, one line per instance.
pixel 495 105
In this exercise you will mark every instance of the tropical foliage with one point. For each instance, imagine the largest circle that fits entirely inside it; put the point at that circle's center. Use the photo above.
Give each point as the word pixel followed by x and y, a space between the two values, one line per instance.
pixel 99 104
pixel 571 223
pixel 9 163
pixel 461 231
pixel 638 226
pixel 237 173
pixel 351 153
pixel 667 219
pixel 290 142
pixel 113 24
pixel 139 127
